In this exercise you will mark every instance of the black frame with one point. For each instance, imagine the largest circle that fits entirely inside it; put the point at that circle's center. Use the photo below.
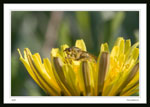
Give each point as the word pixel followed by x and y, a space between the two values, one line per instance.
pixel 67 1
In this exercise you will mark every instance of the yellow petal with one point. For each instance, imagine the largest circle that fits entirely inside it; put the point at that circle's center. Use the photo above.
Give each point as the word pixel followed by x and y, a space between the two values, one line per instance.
pixel 19 53
pixel 131 91
pixel 27 66
pixel 103 68
pixel 60 77
pixel 94 77
pixel 130 50
pixel 86 77
pixel 63 47
pixel 135 53
pixel 115 52
pixel 104 47
pixel 49 70
pixel 55 52
pixel 130 87
pixel 132 84
pixel 71 78
pixel 80 44
pixel 129 77
pixel 121 46
pixel 81 80
pixel 127 45
pixel 37 72
pixel 118 41
pixel 107 88
pixel 92 69
pixel 134 81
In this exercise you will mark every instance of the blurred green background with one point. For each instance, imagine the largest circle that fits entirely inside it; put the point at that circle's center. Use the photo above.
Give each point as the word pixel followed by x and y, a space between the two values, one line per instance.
pixel 40 31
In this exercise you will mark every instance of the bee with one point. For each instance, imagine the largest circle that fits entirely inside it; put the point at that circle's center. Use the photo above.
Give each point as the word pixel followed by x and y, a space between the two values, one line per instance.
pixel 79 55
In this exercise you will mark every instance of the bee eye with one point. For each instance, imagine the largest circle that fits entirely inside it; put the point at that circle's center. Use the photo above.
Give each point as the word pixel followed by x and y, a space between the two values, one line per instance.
pixel 69 49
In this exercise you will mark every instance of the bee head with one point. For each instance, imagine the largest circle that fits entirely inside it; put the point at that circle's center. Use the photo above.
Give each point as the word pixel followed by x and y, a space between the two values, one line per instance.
pixel 72 50
pixel 67 50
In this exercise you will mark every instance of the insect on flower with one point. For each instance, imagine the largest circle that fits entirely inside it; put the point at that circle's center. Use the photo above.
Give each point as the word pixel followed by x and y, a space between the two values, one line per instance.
pixel 77 54
pixel 75 72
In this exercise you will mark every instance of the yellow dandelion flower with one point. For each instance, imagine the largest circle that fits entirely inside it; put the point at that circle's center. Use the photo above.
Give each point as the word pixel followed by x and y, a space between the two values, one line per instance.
pixel 75 72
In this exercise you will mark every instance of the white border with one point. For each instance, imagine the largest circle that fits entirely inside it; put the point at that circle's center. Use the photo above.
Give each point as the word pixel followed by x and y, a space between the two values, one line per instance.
pixel 73 7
